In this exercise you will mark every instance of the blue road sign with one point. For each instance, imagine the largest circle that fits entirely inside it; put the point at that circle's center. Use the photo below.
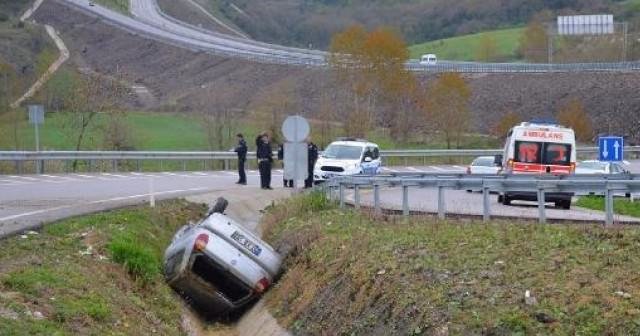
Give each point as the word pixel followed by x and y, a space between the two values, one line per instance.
pixel 611 148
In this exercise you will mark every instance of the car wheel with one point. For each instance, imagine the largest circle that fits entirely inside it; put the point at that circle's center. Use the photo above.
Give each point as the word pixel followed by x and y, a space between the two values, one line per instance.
pixel 506 200
pixel 566 205
pixel 219 206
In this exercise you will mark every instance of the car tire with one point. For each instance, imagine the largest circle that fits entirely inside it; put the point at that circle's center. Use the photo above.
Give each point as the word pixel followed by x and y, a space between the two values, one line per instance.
pixel 566 205
pixel 506 200
pixel 219 207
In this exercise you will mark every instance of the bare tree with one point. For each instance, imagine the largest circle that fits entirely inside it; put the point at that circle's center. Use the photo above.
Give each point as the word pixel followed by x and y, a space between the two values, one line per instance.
pixel 273 105
pixel 90 96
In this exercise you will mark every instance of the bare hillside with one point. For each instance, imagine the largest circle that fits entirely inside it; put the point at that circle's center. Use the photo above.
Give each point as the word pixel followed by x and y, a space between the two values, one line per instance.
pixel 186 81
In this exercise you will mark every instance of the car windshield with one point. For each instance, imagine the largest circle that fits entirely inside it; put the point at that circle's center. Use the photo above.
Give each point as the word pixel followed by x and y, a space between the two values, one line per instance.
pixel 592 165
pixel 343 152
pixel 484 162
pixel 543 152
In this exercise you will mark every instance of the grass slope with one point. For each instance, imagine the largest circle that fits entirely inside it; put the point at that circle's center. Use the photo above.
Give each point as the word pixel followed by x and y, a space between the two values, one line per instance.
pixel 121 6
pixel 348 273
pixel 93 275
pixel 620 206
pixel 464 48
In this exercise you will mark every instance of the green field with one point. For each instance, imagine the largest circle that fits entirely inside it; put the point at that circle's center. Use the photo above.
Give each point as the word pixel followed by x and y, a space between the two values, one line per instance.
pixel 464 48
pixel 352 273
pixel 163 131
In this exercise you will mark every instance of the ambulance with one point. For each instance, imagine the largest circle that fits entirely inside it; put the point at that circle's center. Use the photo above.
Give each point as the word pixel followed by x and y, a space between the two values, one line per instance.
pixel 539 148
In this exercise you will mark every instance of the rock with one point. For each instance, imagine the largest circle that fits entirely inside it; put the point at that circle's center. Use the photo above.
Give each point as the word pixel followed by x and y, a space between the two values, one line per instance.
pixel 623 294
pixel 543 317
pixel 38 315
pixel 382 272
pixel 31 233
pixel 24 236
pixel 529 299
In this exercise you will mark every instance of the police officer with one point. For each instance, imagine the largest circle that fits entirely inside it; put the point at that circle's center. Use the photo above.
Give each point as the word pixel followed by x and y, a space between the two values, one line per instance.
pixel 241 150
pixel 265 159
pixel 312 157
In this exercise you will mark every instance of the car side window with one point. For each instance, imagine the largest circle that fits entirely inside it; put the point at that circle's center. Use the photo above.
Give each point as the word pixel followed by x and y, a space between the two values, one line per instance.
pixel 376 153
pixel 368 153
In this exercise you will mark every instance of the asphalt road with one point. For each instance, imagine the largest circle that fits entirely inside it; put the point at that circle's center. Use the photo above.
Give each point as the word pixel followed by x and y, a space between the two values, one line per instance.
pixel 28 201
pixel 146 20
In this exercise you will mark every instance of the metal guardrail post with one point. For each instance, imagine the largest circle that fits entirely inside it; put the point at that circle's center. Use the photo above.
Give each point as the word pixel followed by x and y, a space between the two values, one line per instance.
pixel 226 165
pixel 341 194
pixel 376 199
pixel 441 205
pixel 542 219
pixel 40 167
pixel 608 205
pixel 405 200
pixel 486 207
pixel 138 165
pixel 356 196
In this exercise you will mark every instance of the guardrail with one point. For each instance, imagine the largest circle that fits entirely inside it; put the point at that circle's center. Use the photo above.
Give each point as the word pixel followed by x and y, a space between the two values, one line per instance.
pixel 487 184
pixel 116 157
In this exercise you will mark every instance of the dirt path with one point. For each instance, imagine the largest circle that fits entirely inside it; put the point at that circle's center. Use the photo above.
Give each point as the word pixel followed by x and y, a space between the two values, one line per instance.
pixel 245 206
pixel 64 56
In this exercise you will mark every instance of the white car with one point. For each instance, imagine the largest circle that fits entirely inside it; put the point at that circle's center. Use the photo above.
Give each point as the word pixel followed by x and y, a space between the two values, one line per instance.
pixel 428 59
pixel 219 265
pixel 348 157
pixel 600 167
pixel 484 165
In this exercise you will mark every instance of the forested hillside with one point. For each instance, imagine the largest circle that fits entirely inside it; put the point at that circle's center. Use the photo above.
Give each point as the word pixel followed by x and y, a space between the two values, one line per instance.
pixel 304 22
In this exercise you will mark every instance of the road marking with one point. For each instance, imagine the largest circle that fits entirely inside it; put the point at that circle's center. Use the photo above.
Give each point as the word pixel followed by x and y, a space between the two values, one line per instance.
pixel 12 217
pixel 58 177
pixel 122 198
pixel 24 177
pixel 459 167
pixel 114 175
pixel 414 169
pixel 391 170
pixel 437 168
pixel 85 176
pixel 33 213
pixel 200 174
pixel 14 182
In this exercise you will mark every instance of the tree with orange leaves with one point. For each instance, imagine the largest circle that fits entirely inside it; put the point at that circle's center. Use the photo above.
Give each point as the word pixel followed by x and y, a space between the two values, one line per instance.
pixel 447 107
pixel 505 123
pixel 371 67
pixel 573 115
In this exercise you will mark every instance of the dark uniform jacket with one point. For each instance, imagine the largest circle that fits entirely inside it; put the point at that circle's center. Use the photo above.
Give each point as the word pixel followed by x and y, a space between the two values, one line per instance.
pixel 241 149
pixel 264 151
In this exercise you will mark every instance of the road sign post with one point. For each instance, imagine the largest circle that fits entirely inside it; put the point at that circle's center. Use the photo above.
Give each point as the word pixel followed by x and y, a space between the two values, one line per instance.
pixel 36 117
pixel 611 148
pixel 296 130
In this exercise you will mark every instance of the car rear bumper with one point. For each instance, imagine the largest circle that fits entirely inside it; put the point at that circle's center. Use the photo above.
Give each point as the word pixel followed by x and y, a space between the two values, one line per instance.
pixel 533 196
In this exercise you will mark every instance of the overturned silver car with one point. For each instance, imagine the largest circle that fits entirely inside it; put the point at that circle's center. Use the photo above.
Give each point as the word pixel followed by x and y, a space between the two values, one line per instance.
pixel 219 265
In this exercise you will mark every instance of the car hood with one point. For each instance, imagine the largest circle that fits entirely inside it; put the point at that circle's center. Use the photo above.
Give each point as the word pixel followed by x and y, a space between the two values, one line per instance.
pixel 589 171
pixel 337 163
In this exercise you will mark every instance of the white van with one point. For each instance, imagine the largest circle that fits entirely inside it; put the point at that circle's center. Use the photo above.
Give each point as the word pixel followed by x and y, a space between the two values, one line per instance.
pixel 539 148
pixel 428 59
pixel 348 156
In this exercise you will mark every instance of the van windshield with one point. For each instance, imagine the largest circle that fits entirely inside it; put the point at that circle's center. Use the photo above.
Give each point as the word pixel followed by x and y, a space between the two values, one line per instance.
pixel 343 152
pixel 543 153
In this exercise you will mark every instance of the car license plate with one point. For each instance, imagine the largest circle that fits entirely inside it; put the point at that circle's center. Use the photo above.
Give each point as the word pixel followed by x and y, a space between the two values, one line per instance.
pixel 246 243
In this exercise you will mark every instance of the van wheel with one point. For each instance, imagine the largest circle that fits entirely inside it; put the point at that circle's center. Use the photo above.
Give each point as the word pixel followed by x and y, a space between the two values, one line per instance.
pixel 506 200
